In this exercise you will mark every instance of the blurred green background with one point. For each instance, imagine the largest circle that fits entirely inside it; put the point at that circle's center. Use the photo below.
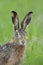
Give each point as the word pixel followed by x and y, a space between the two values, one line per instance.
pixel 34 49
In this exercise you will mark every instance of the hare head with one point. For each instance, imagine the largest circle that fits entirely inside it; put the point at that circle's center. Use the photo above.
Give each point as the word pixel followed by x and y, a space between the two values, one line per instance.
pixel 20 34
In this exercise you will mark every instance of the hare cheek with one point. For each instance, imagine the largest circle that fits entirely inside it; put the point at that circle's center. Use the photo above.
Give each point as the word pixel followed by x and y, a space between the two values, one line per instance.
pixel 20 42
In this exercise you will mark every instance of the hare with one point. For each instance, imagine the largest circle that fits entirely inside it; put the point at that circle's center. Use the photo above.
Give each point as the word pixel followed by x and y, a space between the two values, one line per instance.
pixel 12 53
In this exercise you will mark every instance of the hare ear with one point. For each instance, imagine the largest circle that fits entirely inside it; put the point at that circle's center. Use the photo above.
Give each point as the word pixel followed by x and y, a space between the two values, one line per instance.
pixel 15 20
pixel 26 20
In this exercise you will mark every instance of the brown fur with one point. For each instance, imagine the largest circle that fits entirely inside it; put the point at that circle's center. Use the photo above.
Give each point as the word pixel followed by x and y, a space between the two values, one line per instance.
pixel 11 54
pixel 16 55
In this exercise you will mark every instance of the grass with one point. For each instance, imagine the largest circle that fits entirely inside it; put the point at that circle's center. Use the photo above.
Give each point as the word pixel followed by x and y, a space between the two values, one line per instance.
pixel 34 49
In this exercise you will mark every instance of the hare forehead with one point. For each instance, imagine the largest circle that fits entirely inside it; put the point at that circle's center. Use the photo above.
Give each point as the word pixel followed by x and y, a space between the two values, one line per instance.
pixel 22 33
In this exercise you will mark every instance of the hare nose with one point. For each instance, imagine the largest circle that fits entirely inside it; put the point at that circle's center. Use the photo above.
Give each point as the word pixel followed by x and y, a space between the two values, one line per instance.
pixel 23 42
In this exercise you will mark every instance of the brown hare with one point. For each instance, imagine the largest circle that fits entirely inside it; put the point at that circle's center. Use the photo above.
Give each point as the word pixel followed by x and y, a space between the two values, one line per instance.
pixel 11 53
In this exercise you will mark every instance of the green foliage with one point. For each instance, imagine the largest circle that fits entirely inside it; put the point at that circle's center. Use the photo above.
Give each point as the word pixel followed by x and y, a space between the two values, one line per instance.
pixel 34 49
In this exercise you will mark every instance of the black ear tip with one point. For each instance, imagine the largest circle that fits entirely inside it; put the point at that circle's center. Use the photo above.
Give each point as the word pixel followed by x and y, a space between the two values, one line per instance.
pixel 30 13
pixel 14 12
